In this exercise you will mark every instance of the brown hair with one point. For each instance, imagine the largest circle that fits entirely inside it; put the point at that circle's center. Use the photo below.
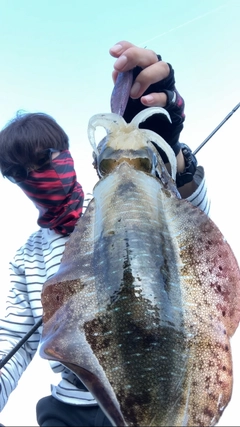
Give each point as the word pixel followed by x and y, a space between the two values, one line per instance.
pixel 26 135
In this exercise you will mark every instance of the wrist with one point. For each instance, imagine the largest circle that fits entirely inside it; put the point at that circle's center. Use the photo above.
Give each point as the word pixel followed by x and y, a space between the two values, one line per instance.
pixel 186 166
pixel 180 161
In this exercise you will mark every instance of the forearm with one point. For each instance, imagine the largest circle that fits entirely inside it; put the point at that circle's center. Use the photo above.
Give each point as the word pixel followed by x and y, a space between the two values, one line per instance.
pixel 13 370
pixel 14 324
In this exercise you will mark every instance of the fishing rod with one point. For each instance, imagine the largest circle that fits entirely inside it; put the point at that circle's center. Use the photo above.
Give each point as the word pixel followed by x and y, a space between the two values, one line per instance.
pixel 20 344
pixel 217 128
pixel 39 323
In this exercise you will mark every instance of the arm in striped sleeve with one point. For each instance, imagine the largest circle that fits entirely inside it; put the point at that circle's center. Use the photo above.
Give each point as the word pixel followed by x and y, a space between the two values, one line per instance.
pixel 16 322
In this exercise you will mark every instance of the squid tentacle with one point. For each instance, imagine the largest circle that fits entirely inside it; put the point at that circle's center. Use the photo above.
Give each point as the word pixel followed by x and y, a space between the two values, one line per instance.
pixel 107 121
pixel 161 143
pixel 148 112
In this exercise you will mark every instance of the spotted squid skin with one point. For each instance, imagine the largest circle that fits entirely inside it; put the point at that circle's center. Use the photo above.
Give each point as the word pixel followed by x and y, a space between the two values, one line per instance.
pixel 143 306
pixel 147 296
pixel 121 92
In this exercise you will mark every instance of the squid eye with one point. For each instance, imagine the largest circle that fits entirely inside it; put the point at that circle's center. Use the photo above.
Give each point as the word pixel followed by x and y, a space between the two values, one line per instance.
pixel 143 160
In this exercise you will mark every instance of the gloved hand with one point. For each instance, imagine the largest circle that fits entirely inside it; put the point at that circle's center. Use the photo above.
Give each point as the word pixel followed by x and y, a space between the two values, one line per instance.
pixel 154 85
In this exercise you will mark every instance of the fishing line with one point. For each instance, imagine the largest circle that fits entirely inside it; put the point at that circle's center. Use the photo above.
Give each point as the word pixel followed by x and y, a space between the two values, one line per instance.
pixel 186 23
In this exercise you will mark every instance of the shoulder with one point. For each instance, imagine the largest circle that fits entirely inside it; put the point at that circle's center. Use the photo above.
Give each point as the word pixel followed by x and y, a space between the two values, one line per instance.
pixel 41 247
pixel 42 237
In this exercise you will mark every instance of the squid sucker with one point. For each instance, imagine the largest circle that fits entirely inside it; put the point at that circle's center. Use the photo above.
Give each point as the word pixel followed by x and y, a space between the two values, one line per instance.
pixel 147 296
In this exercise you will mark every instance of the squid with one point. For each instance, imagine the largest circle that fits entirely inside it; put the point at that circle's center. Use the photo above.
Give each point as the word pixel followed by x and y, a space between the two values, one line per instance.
pixel 147 296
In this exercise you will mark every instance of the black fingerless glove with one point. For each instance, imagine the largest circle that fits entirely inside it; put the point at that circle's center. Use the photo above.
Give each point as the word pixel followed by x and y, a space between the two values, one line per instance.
pixel 159 123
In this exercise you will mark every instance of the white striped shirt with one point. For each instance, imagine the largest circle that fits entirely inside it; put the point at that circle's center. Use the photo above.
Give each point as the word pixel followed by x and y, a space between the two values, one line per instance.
pixel 33 264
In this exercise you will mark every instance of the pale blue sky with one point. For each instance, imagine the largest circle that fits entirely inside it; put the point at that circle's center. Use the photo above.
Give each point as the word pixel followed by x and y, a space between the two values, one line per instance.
pixel 54 58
